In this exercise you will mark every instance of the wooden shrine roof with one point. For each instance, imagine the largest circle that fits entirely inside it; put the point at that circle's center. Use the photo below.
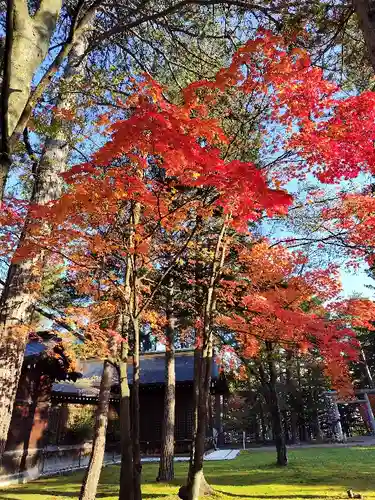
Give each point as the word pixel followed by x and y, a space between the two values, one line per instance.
pixel 152 373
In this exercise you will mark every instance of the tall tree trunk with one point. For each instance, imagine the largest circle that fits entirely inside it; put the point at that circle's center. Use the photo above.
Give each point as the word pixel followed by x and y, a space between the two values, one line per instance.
pixel 369 376
pixel 92 475
pixel 137 465
pixel 197 484
pixel 19 295
pixel 126 473
pixel 365 10
pixel 198 296
pixel 291 387
pixel 130 482
pixel 166 467
pixel 197 371
pixel 282 457
pixel 27 42
pixel 263 422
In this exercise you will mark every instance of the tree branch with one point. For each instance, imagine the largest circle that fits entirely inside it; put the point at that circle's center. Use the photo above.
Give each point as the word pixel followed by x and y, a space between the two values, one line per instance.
pixel 30 151
pixel 5 92
pixel 61 322
pixel 174 8
pixel 77 30
pixel 169 269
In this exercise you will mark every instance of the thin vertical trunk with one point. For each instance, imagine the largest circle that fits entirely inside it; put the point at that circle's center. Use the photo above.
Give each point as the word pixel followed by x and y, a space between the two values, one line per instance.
pixel 126 472
pixel 166 467
pixel 18 295
pixel 197 371
pixel 369 377
pixel 282 457
pixel 130 475
pixel 318 434
pixel 294 426
pixel 133 309
pixel 197 364
pixel 294 431
pixel 197 484
pixel 137 466
pixel 92 475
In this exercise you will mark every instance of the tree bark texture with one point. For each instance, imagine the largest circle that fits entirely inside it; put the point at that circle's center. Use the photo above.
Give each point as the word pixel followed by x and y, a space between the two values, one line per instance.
pixel 19 293
pixel 31 39
pixel 126 472
pixel 292 389
pixel 28 40
pixel 92 475
pixel 365 10
pixel 166 466
pixel 277 425
pixel 369 376
pixel 197 484
pixel 137 465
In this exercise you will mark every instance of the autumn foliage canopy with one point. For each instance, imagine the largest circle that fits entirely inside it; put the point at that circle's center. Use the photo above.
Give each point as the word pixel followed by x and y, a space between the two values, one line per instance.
pixel 168 160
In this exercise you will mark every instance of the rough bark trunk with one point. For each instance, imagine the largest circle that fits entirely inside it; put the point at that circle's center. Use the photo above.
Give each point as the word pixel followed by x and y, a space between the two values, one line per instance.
pixel 197 370
pixel 197 359
pixel 294 430
pixel 18 295
pixel 137 465
pixel 30 422
pixel 369 377
pixel 126 473
pixel 166 467
pixel 365 10
pixel 31 39
pixel 197 484
pixel 318 434
pixel 294 427
pixel 27 46
pixel 130 476
pixel 282 457
pixel 263 423
pixel 92 475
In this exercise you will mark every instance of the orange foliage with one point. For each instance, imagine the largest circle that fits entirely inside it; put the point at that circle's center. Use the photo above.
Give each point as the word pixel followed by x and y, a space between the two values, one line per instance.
pixel 272 300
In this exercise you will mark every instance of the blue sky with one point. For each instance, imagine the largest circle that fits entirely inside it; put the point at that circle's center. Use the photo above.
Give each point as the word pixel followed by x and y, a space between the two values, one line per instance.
pixel 355 283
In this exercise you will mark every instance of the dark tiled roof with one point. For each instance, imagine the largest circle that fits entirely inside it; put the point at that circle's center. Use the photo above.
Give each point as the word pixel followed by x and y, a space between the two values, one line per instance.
pixel 152 368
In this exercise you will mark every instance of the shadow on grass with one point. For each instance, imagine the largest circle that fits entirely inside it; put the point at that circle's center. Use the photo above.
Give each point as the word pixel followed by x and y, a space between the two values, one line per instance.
pixel 311 474
pixel 73 494
pixel 297 495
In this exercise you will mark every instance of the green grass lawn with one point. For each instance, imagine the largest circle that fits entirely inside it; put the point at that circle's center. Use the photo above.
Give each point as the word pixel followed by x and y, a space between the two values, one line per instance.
pixel 314 473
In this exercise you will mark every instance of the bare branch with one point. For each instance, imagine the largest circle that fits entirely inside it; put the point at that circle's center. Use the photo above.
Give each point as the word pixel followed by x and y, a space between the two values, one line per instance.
pixel 176 7
pixel 61 322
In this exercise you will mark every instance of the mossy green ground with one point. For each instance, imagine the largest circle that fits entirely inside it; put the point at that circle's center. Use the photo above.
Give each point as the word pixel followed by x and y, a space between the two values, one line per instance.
pixel 314 473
